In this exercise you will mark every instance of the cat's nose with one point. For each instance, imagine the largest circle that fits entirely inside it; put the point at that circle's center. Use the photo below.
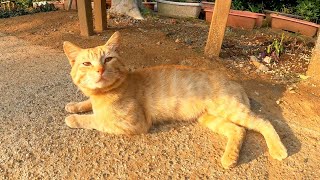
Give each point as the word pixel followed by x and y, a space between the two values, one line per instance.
pixel 100 70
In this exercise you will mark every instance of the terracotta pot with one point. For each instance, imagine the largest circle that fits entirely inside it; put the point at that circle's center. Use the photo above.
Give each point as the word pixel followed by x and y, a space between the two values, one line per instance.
pixel 58 5
pixel 294 25
pixel 208 14
pixel 242 20
pixel 239 19
pixel 207 5
pixel 108 3
pixel 259 20
pixel 268 17
pixel 149 5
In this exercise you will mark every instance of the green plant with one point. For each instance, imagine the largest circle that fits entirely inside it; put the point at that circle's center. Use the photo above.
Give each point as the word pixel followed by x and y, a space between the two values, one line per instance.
pixel 309 9
pixel 18 12
pixel 23 10
pixel 276 48
pixel 260 5
pixel 24 3
pixel 255 7
pixel 286 10
pixel 45 8
pixel 238 5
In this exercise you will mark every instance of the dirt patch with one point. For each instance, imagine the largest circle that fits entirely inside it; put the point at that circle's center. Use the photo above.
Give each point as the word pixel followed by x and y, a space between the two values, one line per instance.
pixel 35 86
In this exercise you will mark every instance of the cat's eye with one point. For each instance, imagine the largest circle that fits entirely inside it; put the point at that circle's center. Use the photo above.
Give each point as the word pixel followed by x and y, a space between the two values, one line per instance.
pixel 87 63
pixel 107 59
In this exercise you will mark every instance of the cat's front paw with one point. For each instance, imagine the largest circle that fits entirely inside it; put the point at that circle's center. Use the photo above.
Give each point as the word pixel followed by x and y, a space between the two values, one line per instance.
pixel 71 121
pixel 71 107
pixel 278 152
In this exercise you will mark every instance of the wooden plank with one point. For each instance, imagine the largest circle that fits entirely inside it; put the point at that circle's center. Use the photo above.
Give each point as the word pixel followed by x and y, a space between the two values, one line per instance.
pixel 85 17
pixel 100 15
pixel 314 66
pixel 217 27
pixel 69 5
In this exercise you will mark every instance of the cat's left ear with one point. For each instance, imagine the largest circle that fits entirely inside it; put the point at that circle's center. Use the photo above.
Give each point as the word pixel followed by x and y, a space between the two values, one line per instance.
pixel 71 51
pixel 114 41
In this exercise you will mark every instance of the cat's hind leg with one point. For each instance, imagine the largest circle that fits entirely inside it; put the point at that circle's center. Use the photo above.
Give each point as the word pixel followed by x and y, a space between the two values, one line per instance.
pixel 245 118
pixel 276 149
pixel 78 107
pixel 233 132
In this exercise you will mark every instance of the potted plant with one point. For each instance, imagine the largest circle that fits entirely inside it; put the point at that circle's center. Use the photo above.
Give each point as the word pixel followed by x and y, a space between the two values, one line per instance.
pixel 149 4
pixel 179 8
pixel 308 9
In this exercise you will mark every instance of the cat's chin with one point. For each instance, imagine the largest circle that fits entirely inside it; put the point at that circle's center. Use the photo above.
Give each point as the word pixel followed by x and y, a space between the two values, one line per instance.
pixel 99 85
pixel 94 86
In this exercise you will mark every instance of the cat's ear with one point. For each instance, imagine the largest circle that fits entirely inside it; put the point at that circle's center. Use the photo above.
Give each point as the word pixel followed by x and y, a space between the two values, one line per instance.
pixel 71 51
pixel 114 41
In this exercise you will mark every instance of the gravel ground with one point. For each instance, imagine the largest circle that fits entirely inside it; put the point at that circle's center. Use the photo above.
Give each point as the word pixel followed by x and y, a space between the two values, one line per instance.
pixel 35 143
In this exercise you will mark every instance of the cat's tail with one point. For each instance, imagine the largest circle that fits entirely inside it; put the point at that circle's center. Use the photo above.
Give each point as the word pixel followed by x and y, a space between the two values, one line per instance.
pixel 249 120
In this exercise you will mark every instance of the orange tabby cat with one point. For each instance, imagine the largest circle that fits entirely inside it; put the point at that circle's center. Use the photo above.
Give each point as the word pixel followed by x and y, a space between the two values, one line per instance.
pixel 130 102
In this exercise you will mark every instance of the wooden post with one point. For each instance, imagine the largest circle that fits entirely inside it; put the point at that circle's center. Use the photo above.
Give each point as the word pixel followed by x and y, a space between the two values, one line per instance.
pixel 314 66
pixel 100 15
pixel 85 17
pixel 217 27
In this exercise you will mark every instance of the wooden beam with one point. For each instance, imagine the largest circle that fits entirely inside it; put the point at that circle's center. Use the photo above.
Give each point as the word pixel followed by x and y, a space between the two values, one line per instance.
pixel 217 27
pixel 314 66
pixel 100 15
pixel 69 5
pixel 85 17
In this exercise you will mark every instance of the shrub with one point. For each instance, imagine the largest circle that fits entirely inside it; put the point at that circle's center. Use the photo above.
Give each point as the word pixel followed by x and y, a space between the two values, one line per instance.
pixel 24 9
pixel 309 9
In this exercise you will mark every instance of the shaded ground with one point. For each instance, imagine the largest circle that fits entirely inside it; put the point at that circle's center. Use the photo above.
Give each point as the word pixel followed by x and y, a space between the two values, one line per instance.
pixel 35 85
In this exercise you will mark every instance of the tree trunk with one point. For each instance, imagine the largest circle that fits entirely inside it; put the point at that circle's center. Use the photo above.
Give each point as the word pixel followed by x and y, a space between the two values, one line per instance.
pixel 314 66
pixel 127 7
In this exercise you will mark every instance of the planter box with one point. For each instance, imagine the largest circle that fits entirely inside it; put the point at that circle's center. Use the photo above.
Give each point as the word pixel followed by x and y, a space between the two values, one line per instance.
pixel 294 25
pixel 207 5
pixel 259 20
pixel 108 3
pixel 208 14
pixel 237 19
pixel 242 20
pixel 178 9
pixel 268 17
pixel 149 5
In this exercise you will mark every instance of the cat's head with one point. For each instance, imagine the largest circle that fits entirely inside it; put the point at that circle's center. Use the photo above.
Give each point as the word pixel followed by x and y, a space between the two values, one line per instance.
pixel 96 69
